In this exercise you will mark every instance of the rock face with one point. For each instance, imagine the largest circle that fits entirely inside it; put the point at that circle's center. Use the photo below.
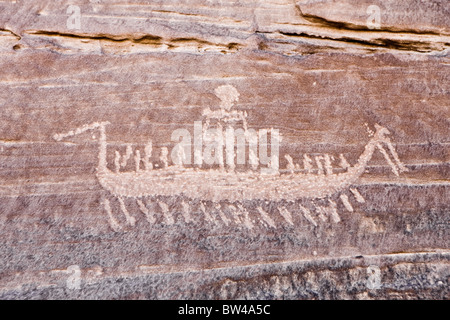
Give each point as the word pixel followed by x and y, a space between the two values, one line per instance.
pixel 118 179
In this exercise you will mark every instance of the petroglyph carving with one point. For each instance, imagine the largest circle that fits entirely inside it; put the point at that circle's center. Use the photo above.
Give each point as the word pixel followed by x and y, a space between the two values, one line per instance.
pixel 166 213
pixel 150 218
pixel 186 214
pixel 286 215
pixel 307 213
pixel 266 218
pixel 357 195
pixel 233 186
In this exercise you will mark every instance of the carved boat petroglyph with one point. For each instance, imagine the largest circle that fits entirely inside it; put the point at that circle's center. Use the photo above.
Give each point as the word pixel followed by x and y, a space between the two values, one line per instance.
pixel 232 186
pixel 235 186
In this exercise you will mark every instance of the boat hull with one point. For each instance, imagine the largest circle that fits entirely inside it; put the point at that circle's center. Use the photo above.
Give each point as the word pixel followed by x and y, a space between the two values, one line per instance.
pixel 216 185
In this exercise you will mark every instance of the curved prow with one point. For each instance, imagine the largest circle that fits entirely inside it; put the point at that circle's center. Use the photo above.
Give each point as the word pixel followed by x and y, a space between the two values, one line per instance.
pixel 102 140
pixel 380 137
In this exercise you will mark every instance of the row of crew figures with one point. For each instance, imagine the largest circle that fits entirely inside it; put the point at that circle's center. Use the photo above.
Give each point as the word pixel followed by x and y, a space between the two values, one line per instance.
pixel 319 164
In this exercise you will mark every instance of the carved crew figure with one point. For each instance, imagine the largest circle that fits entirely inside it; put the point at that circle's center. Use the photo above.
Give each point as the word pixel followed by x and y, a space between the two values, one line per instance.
pixel 228 96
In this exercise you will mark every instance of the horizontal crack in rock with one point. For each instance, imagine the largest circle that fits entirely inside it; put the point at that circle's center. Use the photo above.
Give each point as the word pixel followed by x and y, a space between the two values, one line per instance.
pixel 139 38
pixel 147 39
pixel 12 33
pixel 144 39
pixel 340 25
pixel 404 45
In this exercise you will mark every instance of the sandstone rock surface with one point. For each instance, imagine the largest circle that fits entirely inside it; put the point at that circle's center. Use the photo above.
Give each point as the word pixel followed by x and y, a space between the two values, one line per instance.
pixel 326 74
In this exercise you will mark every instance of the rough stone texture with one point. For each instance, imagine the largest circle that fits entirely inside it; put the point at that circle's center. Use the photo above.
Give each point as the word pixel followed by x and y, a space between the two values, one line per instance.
pixel 312 69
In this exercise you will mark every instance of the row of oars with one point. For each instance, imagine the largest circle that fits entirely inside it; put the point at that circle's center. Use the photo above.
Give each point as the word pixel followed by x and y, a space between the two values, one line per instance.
pixel 323 163
pixel 239 215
